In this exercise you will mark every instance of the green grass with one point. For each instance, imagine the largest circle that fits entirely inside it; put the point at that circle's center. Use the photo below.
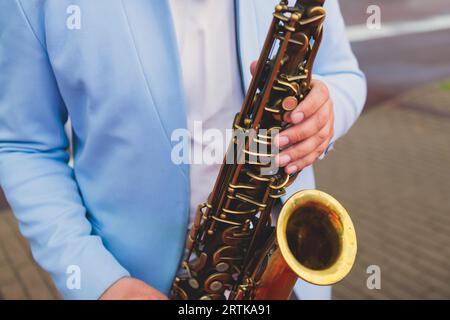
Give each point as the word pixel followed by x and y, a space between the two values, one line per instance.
pixel 445 85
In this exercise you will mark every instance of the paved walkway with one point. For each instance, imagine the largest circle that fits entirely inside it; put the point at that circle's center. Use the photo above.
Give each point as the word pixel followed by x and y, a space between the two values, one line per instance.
pixel 391 172
pixel 20 276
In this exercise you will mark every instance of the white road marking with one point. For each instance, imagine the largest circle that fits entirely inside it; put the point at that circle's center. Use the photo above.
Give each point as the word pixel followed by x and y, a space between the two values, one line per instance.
pixel 358 33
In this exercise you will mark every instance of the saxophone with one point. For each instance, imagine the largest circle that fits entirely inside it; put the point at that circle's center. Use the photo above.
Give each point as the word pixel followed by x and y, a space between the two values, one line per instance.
pixel 233 250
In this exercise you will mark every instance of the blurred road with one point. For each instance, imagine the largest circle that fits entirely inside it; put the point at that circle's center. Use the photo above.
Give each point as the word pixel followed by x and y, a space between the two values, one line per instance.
pixel 393 10
pixel 396 64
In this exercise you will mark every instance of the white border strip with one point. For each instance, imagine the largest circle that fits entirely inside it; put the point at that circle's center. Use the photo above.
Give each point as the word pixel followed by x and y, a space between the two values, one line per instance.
pixel 360 33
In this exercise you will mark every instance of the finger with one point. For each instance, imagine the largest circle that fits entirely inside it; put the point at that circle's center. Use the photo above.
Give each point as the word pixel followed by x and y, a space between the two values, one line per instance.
pixel 308 160
pixel 253 67
pixel 306 129
pixel 302 149
pixel 287 117
pixel 318 96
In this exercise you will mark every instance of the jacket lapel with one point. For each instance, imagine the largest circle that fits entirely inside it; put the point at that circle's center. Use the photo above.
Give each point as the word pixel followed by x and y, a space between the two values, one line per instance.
pixel 150 23
pixel 153 32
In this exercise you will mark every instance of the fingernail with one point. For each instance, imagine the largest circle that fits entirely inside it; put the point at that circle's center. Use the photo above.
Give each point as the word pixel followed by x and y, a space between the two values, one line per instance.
pixel 291 169
pixel 283 160
pixel 282 141
pixel 298 117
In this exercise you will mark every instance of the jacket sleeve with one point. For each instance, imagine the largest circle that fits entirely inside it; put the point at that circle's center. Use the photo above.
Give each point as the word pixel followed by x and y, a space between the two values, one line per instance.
pixel 337 66
pixel 34 171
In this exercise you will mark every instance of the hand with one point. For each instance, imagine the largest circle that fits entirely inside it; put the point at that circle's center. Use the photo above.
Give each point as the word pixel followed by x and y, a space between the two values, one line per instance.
pixel 311 131
pixel 132 289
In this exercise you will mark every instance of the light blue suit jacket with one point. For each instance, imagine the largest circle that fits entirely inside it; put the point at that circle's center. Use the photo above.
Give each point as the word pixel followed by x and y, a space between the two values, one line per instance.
pixel 123 208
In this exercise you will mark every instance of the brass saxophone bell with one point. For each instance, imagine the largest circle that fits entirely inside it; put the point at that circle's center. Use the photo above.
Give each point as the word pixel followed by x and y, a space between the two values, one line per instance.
pixel 316 237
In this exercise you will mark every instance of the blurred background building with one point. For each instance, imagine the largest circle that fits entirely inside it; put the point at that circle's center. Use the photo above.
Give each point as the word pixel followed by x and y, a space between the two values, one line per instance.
pixel 391 171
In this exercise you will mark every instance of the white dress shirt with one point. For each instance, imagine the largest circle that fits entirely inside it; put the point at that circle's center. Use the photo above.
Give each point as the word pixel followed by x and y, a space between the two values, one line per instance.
pixel 207 48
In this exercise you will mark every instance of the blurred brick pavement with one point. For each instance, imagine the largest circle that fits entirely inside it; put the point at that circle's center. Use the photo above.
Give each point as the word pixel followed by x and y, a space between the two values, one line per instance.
pixel 391 172
pixel 20 277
